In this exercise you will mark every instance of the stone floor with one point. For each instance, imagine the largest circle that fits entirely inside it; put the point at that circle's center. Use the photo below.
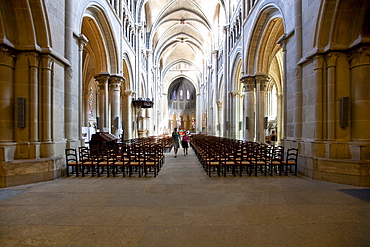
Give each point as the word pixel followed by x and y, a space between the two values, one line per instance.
pixel 184 207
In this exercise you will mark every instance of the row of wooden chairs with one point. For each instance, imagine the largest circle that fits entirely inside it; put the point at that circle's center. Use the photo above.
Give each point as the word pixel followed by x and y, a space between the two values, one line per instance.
pixel 229 156
pixel 137 157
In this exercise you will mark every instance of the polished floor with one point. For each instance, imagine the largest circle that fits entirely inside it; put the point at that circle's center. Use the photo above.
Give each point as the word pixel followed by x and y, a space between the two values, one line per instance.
pixel 182 206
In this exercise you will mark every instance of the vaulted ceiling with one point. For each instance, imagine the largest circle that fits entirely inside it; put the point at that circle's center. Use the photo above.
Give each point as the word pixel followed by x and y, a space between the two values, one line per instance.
pixel 184 30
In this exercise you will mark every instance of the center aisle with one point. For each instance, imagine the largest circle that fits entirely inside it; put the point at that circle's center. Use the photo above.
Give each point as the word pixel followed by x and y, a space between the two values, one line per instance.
pixel 183 207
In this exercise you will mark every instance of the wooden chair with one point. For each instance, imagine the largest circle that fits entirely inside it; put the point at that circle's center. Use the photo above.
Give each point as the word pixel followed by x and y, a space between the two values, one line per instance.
pixel 72 161
pixel 260 159
pixel 87 162
pixel 277 157
pixel 120 160
pixel 290 161
pixel 136 159
pixel 246 159
pixel 151 160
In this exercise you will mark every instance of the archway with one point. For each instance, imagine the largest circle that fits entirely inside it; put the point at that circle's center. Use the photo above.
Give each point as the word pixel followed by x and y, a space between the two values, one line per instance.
pixel 265 66
pixel 182 102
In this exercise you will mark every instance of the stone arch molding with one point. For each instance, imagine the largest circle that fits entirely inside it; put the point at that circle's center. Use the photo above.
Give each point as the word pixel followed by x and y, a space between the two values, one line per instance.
pixel 264 27
pixel 32 35
pixel 103 27
pixel 169 82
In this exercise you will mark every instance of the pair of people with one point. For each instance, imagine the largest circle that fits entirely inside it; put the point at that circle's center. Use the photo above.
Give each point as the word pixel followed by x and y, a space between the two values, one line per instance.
pixel 176 137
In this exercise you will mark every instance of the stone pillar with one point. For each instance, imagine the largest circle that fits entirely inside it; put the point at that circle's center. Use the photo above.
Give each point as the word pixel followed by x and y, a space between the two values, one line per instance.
pixel 220 121
pixel 33 61
pixel 331 95
pixel 46 108
pixel 115 90
pixel 127 115
pixel 6 95
pixel 319 102
pixel 82 43
pixel 226 81
pixel 102 80
pixel 261 81
pixel 283 127
pixel 360 96
pixel 249 107
pixel 233 114
pixel 68 75
pixel 280 118
pixel 198 118
pixel 298 80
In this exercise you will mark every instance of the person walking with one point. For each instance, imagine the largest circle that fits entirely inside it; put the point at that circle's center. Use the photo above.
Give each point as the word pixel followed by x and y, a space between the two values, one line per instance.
pixel 185 143
pixel 176 141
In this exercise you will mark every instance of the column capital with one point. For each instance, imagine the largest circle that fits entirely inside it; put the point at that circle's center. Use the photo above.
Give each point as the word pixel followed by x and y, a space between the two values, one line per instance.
pixel 102 78
pixel 47 62
pixel 128 93
pixel 331 59
pixel 82 41
pixel 219 104
pixel 318 62
pixel 359 57
pixel 262 80
pixel 33 59
pixel 234 93
pixel 116 79
pixel 282 42
pixel 249 81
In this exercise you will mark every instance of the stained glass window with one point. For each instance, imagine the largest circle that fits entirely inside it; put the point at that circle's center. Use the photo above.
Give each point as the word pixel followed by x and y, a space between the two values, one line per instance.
pixel 181 94
pixel 91 103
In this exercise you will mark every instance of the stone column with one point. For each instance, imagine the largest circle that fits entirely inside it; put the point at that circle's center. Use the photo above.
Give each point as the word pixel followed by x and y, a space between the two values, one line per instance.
pixel 360 95
pixel 220 116
pixel 46 108
pixel 102 80
pixel 6 95
pixel 115 90
pixel 283 127
pixel 319 102
pixel 198 118
pixel 127 115
pixel 33 61
pixel 331 95
pixel 297 116
pixel 249 107
pixel 68 75
pixel 261 81
pixel 216 91
pixel 233 114
pixel 82 43
pixel 226 81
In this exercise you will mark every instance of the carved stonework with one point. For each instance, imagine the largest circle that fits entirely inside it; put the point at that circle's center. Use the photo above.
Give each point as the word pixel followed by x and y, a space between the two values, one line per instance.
pixel 47 63
pixel 115 83
pixel 128 93
pixel 6 57
pixel 249 82
pixel 318 62
pixel 219 104
pixel 262 80
pixel 332 59
pixel 360 57
pixel 33 59
pixel 234 93
pixel 102 79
